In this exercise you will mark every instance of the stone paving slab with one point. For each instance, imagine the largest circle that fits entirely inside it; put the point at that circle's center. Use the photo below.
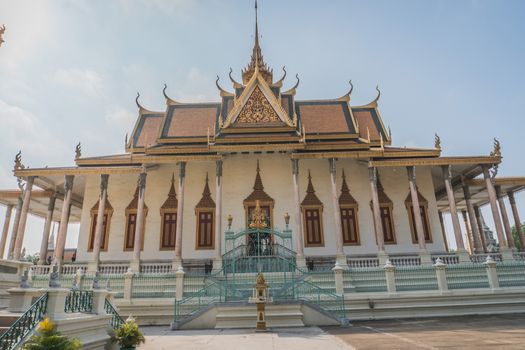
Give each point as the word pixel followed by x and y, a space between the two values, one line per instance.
pixel 307 338
pixel 465 332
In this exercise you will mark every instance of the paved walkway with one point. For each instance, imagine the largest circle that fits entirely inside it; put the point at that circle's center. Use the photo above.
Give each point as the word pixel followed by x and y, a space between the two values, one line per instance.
pixel 308 338
pixel 466 332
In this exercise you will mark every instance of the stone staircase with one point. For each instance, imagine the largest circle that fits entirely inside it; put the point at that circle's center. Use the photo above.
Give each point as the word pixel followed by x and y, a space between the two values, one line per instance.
pixel 7 319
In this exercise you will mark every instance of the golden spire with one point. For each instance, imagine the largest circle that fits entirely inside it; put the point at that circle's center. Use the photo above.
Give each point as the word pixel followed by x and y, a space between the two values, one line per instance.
pixel 257 61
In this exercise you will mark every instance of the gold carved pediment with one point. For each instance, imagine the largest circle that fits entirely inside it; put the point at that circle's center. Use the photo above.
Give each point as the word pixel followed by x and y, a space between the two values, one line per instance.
pixel 257 110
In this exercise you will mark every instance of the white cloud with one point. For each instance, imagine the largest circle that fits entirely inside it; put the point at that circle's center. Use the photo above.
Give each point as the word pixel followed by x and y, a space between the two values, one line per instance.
pixel 120 116
pixel 198 87
pixel 87 81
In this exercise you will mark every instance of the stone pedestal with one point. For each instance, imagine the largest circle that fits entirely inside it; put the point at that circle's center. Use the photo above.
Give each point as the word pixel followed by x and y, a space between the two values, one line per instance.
pixel 134 265
pixel 425 257
pixel 441 275
pixel 390 272
pixel 491 273
pixel 463 255
pixel 338 275
pixel 383 257
pixel 506 253
pixel 99 298
pixel 92 266
pixel 128 284
pixel 341 260
pixel 56 299
pixel 22 298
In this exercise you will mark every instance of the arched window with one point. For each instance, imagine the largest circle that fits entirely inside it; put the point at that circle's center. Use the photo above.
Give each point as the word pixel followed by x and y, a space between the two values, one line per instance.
pixel 348 207
pixel 131 222
pixel 423 209
pixel 385 211
pixel 312 210
pixel 168 215
pixel 205 216
pixel 108 212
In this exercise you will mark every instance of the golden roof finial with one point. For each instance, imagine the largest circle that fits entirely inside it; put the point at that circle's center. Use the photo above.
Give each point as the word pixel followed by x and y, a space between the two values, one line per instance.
pixel 18 161
pixel 437 142
pixel 2 31
pixel 496 151
pixel 257 61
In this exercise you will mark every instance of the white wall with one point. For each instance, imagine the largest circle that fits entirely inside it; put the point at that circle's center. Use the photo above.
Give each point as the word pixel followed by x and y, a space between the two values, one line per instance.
pixel 238 179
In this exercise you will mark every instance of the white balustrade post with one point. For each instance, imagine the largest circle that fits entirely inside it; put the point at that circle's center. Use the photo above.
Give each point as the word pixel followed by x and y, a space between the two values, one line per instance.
pixel 128 284
pixel 491 272
pixel 179 283
pixel 56 300
pixel 338 275
pixel 99 298
pixel 390 272
pixel 441 274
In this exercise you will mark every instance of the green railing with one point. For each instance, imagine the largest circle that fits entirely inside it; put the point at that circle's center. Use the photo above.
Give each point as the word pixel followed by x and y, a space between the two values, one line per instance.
pixel 511 273
pixel 367 279
pixel 413 278
pixel 24 325
pixel 79 301
pixel 213 292
pixel 116 320
pixel 161 285
pixel 467 275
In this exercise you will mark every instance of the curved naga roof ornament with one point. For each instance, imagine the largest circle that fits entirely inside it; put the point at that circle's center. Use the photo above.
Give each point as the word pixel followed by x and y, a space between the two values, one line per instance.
pixel 294 88
pixel 346 97
pixel 18 161
pixel 236 85
pixel 279 83
pixel 169 101
pixel 2 31
pixel 78 151
pixel 223 92
pixel 437 142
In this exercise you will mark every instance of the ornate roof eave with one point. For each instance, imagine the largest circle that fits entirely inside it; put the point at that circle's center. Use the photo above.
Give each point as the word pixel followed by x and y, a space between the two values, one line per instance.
pixel 346 97
pixel 373 103
pixel 143 110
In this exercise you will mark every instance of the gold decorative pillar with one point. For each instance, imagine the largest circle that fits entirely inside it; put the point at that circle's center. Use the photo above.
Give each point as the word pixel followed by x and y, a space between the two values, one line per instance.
pixel 5 230
pixel 64 219
pixel 47 228
pixel 15 227
pixel 443 231
pixel 23 218
pixel 372 173
pixel 340 256
pixel 95 260
pixel 505 218
pixel 217 264
pixel 460 244
pixel 476 237
pixel 495 213
pixel 517 221
pixel 180 208
pixel 139 226
pixel 298 234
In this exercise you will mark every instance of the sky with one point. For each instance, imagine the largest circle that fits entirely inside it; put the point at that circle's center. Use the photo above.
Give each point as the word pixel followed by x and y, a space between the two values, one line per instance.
pixel 70 70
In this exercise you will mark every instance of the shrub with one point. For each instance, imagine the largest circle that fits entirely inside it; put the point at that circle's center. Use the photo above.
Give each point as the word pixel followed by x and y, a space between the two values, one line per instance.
pixel 48 338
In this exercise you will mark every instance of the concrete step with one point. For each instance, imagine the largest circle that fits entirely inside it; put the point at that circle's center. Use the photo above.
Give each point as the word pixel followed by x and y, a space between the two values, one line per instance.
pixel 245 316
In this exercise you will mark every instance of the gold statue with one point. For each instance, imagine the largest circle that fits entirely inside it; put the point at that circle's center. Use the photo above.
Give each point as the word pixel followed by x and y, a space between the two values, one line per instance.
pixel 258 217
pixel 2 30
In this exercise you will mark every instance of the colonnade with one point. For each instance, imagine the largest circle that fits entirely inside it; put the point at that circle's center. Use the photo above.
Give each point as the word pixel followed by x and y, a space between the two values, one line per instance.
pixel 471 218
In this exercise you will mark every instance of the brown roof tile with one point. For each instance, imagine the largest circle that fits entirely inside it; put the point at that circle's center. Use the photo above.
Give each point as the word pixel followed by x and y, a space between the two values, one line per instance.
pixel 148 130
pixel 191 121
pixel 365 121
pixel 323 118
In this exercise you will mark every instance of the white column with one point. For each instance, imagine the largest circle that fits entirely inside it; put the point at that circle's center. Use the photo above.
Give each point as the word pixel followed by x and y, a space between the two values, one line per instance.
pixel 64 219
pixel 23 219
pixel 298 235
pixel 495 214
pixel 47 228
pixel 139 225
pixel 97 240
pixel 340 255
pixel 460 244
pixel 217 264
pixel 478 245
pixel 15 227
pixel 505 218
pixel 5 230
pixel 180 208
pixel 380 238
pixel 517 221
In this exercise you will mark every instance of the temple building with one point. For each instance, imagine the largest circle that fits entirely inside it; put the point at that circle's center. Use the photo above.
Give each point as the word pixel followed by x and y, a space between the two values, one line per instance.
pixel 323 175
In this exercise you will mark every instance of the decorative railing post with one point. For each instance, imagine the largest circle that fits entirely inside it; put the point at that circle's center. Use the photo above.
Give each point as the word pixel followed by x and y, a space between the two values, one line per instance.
pixel 338 275
pixel 179 283
pixel 441 274
pixel 99 299
pixel 390 272
pixel 21 298
pixel 491 272
pixel 56 296
pixel 128 284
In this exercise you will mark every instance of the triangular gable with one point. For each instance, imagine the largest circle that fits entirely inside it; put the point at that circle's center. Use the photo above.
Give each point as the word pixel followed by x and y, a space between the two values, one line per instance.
pixel 257 105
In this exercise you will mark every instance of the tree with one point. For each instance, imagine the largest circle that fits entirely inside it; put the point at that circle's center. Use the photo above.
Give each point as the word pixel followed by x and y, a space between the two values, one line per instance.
pixel 516 237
